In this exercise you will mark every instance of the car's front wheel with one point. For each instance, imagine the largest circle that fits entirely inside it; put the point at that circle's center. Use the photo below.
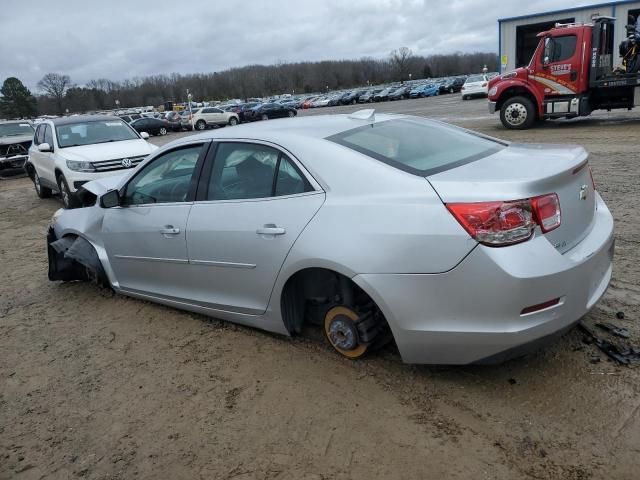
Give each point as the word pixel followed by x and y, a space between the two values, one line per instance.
pixel 69 200
pixel 42 192
pixel 291 114
pixel 264 116
pixel 233 121
pixel 162 131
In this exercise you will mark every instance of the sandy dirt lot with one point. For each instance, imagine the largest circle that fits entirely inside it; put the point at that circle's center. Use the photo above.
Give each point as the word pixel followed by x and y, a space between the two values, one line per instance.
pixel 106 387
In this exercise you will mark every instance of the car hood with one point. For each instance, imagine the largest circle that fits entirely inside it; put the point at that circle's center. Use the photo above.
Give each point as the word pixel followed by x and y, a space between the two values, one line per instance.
pixel 108 151
pixel 16 139
pixel 102 185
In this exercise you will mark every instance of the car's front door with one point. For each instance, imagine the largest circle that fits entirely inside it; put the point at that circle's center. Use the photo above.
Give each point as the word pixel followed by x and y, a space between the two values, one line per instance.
pixel 255 204
pixel 217 116
pixel 46 167
pixel 145 237
pixel 37 157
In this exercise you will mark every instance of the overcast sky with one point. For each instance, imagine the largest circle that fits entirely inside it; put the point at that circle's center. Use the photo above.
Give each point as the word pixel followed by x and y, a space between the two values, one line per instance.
pixel 119 39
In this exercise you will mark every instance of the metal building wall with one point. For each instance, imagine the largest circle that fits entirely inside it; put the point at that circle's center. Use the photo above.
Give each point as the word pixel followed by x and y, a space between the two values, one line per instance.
pixel 507 28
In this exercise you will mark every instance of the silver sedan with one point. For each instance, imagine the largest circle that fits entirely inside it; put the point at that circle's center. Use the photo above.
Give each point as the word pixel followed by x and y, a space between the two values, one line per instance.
pixel 375 228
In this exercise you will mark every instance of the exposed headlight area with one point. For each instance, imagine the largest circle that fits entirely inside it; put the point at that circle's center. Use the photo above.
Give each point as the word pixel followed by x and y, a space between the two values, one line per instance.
pixel 78 166
pixel 493 91
pixel 56 215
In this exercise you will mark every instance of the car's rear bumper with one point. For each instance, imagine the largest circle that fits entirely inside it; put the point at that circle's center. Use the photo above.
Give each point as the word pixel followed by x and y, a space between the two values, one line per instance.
pixel 473 312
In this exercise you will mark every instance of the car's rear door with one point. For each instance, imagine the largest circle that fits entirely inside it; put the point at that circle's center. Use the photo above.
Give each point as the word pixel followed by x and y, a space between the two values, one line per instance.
pixel 253 203
pixel 145 237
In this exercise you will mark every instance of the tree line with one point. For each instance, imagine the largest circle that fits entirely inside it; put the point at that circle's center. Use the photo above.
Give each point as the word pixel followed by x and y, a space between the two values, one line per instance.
pixel 57 93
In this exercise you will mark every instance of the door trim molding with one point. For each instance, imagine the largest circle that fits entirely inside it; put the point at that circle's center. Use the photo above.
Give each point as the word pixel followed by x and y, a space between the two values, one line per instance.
pixel 152 259
pixel 213 263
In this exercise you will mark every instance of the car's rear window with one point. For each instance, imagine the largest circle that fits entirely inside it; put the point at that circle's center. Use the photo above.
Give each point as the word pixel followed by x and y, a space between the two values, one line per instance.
pixel 417 146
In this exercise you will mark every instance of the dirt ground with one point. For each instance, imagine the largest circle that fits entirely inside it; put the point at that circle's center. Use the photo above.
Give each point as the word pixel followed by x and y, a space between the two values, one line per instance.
pixel 103 387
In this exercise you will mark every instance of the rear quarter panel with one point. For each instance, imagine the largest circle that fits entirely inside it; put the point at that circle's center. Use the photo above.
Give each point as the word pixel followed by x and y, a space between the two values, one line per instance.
pixel 376 218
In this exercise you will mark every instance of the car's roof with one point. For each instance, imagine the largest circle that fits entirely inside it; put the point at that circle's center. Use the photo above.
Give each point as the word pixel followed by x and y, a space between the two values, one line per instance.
pixel 16 121
pixel 84 118
pixel 277 131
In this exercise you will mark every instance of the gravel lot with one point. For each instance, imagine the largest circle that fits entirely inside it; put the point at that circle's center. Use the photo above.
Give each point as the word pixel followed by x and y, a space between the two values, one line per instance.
pixel 104 387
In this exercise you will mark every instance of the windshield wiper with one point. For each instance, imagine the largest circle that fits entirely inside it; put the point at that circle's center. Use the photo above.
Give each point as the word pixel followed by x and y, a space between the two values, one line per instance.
pixel 109 141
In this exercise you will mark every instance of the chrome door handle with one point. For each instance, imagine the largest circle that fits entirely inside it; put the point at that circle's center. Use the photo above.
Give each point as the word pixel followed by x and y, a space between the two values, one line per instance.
pixel 170 231
pixel 271 230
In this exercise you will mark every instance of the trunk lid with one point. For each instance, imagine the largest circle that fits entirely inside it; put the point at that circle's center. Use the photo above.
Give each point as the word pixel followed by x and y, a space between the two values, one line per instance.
pixel 525 171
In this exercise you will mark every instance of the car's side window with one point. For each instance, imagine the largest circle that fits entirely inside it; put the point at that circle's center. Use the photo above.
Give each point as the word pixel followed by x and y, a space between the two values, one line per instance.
pixel 216 110
pixel 39 136
pixel 289 179
pixel 246 171
pixel 207 110
pixel 166 179
pixel 48 136
pixel 242 170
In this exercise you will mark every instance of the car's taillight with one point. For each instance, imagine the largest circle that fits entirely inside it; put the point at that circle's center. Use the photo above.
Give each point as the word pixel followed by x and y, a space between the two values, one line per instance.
pixel 547 211
pixel 497 224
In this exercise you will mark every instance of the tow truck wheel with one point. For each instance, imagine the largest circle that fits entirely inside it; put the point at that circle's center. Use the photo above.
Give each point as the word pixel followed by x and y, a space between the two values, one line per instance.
pixel 517 113
pixel 340 328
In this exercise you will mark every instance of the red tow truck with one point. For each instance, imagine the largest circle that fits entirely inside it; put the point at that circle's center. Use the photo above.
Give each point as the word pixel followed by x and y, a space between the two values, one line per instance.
pixel 570 75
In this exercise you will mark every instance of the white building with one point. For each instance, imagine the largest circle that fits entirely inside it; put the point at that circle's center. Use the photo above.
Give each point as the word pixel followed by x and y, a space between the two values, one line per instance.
pixel 517 35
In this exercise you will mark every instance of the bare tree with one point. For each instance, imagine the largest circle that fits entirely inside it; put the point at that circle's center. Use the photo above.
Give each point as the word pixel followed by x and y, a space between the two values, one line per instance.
pixel 401 60
pixel 55 85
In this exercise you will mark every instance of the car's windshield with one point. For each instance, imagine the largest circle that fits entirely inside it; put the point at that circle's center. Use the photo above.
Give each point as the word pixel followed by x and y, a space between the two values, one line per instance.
pixel 15 129
pixel 90 132
pixel 417 146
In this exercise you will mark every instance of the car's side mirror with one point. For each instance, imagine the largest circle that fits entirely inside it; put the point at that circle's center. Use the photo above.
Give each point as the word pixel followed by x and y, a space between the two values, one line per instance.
pixel 45 147
pixel 110 199
pixel 144 135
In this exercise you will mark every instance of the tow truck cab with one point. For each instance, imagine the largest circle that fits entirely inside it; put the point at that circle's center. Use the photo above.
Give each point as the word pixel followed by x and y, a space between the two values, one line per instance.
pixel 570 74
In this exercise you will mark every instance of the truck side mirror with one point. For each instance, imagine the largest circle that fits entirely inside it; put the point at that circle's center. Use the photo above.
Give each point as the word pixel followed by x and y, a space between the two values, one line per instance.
pixel 548 51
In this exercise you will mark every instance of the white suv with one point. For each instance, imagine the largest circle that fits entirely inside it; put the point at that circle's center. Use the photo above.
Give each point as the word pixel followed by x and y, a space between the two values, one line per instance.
pixel 69 152
pixel 475 86
pixel 205 117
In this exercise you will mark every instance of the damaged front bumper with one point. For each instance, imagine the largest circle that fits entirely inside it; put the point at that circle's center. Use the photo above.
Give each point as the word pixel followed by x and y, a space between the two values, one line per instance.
pixel 13 165
pixel 73 258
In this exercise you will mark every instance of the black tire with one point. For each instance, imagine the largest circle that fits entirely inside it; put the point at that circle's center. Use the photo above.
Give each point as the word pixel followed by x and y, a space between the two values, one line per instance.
pixel 201 125
pixel 464 97
pixel 264 116
pixel 42 192
pixel 233 121
pixel 69 200
pixel 291 114
pixel 162 131
pixel 518 113
pixel 451 90
pixel 353 102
